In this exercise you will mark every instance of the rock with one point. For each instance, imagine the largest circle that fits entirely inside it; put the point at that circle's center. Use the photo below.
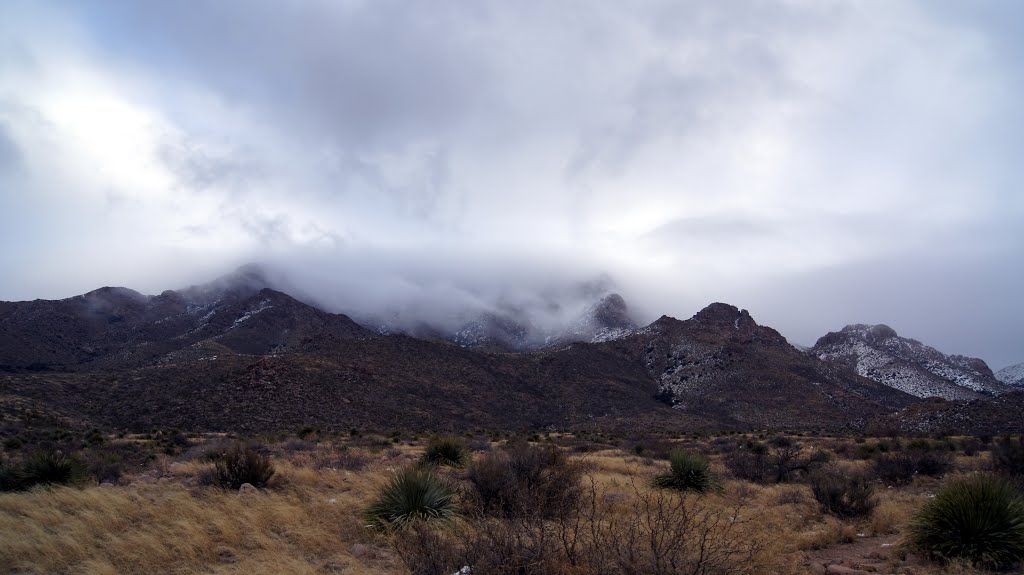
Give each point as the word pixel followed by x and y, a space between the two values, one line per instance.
pixel 816 568
pixel 248 489
pixel 106 485
pixel 360 550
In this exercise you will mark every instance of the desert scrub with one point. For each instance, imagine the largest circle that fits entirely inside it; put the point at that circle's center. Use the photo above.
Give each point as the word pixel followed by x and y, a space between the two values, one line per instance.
pixel 688 472
pixel 240 465
pixel 446 451
pixel 1008 457
pixel 44 468
pixel 979 519
pixel 525 480
pixel 412 494
pixel 843 495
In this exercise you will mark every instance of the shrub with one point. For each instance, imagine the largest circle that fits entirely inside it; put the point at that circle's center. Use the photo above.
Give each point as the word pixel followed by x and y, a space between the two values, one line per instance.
pixel 650 532
pixel 45 468
pixel 758 464
pixel 447 451
pixel 410 495
pixel 900 468
pixel 843 495
pixel 241 465
pixel 689 472
pixel 1008 457
pixel 525 480
pixel 979 519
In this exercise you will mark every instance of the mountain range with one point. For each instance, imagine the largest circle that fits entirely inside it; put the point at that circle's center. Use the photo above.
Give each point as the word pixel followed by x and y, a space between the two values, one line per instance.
pixel 237 355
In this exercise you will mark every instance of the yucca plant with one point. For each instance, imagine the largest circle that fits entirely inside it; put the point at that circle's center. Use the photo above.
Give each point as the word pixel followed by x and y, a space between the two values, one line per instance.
pixel 688 472
pixel 447 451
pixel 979 519
pixel 412 494
pixel 46 468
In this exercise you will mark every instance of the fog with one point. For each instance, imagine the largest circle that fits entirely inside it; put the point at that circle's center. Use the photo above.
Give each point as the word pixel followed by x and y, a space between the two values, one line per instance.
pixel 818 163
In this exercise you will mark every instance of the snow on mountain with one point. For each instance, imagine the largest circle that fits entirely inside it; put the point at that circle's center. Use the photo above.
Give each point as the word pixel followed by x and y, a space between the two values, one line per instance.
pixel 879 353
pixel 1013 375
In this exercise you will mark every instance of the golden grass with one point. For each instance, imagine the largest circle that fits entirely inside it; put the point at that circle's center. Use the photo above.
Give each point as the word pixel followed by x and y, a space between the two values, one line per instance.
pixel 307 526
pixel 308 521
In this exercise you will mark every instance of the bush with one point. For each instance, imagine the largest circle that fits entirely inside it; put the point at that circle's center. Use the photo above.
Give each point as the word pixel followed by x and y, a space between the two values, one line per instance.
pixel 411 495
pixel 689 472
pixel 45 468
pixel 241 465
pixel 653 532
pixel 979 519
pixel 447 451
pixel 1008 457
pixel 785 463
pixel 525 480
pixel 900 468
pixel 842 495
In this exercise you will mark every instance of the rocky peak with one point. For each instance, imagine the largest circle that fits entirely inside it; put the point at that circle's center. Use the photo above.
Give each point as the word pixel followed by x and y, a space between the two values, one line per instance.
pixel 879 353
pixel 612 312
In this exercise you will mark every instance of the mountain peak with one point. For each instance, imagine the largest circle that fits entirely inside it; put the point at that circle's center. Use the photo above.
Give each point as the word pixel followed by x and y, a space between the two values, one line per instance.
pixel 879 353
pixel 724 315
pixel 870 333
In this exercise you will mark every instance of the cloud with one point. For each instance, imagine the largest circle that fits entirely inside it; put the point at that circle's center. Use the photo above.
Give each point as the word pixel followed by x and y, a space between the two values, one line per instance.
pixel 397 154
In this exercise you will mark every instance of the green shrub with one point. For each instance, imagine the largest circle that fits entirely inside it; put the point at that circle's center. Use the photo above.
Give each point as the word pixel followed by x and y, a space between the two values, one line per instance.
pixel 241 465
pixel 447 451
pixel 688 472
pixel 411 495
pixel 843 495
pixel 979 519
pixel 45 468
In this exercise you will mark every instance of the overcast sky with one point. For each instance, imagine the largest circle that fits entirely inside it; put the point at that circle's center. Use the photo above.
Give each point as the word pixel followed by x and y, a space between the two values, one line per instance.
pixel 816 162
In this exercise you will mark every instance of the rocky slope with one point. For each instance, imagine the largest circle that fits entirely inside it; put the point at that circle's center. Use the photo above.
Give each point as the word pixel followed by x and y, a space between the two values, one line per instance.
pixel 879 353
pixel 722 362
pixel 1012 375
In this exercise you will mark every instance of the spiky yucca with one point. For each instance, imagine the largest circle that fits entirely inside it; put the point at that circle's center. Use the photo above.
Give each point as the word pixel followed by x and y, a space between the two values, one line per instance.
pixel 979 519
pixel 446 451
pixel 410 495
pixel 688 472
pixel 46 468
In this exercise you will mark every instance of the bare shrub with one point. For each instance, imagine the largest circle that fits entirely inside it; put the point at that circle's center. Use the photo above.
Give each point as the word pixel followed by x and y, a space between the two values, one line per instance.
pixel 787 462
pixel 843 495
pixel 647 532
pixel 900 468
pixel 524 480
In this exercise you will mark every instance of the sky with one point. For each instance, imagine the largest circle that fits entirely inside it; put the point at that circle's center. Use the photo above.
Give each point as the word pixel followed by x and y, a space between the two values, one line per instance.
pixel 817 162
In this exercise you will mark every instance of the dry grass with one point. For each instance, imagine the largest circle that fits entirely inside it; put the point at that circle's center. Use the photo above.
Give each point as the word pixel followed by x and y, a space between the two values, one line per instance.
pixel 165 520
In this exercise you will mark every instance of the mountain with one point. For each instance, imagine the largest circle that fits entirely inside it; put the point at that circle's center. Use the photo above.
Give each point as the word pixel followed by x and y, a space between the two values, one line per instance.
pixel 879 353
pixel 116 328
pixel 722 362
pixel 514 328
pixel 1013 375
pixel 236 355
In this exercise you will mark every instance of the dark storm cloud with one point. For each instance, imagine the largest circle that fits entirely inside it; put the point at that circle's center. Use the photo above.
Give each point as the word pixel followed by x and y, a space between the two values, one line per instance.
pixel 427 158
